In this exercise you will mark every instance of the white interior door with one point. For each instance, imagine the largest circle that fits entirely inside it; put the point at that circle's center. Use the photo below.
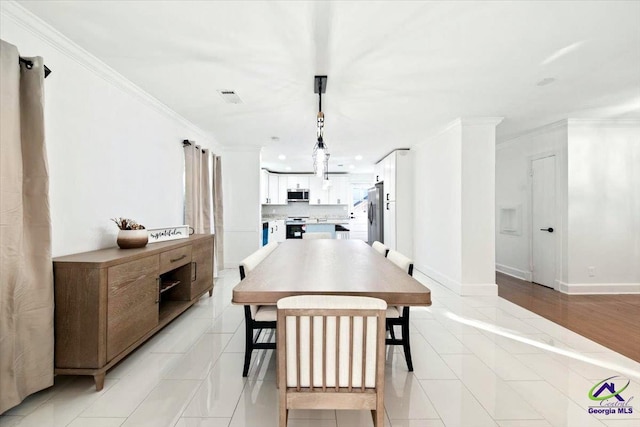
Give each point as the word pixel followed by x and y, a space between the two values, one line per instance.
pixel 544 229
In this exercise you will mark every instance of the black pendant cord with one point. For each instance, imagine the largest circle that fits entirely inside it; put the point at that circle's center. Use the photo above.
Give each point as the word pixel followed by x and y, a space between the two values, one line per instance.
pixel 320 102
pixel 29 65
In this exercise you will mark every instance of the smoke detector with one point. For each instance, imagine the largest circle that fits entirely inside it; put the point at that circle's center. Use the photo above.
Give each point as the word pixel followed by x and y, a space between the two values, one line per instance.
pixel 230 96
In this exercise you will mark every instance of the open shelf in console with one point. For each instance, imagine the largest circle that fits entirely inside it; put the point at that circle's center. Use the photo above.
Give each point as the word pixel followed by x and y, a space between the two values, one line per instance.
pixel 174 292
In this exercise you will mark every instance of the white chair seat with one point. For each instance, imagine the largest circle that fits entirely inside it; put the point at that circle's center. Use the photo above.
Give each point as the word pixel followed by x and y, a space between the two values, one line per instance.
pixel 266 313
pixel 393 312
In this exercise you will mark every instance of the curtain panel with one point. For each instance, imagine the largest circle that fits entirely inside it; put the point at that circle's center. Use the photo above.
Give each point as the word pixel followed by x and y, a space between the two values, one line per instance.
pixel 218 211
pixel 26 271
pixel 197 201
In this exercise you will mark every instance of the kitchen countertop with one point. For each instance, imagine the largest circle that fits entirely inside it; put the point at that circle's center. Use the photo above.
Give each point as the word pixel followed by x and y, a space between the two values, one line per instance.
pixel 313 221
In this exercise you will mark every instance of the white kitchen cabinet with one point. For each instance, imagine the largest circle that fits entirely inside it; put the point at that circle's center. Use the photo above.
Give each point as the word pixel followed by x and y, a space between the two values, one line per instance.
pixel 298 182
pixel 398 201
pixel 317 196
pixel 279 231
pixel 339 190
pixel 378 171
pixel 390 224
pixel 337 193
pixel 273 189
pixel 390 177
pixel 264 186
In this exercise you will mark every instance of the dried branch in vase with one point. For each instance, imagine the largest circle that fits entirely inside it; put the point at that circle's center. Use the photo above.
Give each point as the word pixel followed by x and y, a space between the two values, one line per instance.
pixel 127 224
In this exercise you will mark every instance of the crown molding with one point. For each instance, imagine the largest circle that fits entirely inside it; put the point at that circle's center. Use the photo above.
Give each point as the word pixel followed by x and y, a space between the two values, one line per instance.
pixel 39 28
pixel 480 121
pixel 512 140
pixel 618 123
pixel 461 122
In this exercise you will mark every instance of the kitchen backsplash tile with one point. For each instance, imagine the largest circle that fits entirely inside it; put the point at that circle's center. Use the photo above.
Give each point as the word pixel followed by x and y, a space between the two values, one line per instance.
pixel 305 209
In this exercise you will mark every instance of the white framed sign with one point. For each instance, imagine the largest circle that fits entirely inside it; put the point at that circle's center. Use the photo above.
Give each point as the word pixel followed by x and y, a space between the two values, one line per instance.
pixel 168 233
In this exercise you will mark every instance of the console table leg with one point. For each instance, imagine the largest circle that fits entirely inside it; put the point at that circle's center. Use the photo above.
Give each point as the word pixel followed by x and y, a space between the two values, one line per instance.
pixel 99 380
pixel 210 292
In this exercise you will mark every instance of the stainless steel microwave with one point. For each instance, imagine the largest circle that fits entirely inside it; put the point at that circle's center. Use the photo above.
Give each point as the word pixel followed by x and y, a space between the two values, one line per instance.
pixel 297 195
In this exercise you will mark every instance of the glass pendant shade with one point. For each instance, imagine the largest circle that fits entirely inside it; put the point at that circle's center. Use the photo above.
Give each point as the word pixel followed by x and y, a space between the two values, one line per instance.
pixel 320 159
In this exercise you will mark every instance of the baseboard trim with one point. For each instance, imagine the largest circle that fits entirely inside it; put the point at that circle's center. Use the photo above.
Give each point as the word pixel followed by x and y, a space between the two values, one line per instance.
pixel 463 289
pixel 514 272
pixel 598 288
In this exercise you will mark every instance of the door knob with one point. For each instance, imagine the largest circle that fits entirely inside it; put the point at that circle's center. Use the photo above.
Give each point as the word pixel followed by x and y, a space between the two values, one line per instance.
pixel 550 229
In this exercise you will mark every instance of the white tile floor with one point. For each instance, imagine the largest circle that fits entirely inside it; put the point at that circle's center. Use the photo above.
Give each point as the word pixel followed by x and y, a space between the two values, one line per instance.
pixel 479 361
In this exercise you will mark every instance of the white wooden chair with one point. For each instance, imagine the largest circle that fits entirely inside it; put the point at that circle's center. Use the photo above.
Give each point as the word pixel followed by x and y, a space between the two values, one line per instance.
pixel 380 247
pixel 307 236
pixel 399 315
pixel 256 317
pixel 331 354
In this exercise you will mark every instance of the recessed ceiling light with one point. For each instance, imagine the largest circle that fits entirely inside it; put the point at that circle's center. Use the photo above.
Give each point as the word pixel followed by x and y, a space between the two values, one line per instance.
pixel 288 168
pixel 282 157
pixel 352 166
pixel 275 139
pixel 358 157
pixel 340 166
pixel 546 81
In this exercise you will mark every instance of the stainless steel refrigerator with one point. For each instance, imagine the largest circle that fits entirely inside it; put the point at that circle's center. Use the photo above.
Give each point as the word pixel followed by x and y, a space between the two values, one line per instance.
pixel 375 212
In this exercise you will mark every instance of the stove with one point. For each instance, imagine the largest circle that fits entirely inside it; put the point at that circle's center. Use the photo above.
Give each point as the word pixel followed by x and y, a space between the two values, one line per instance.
pixel 296 226
pixel 297 220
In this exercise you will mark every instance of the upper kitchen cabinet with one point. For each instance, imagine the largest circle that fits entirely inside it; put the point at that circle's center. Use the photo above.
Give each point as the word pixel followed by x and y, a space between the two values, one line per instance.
pixel 335 194
pixel 317 194
pixel 339 190
pixel 397 172
pixel 390 177
pixel 273 189
pixel 298 182
pixel 264 186
pixel 378 171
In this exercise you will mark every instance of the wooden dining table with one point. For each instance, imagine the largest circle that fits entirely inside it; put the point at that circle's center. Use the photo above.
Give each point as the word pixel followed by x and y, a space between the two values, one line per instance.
pixel 328 267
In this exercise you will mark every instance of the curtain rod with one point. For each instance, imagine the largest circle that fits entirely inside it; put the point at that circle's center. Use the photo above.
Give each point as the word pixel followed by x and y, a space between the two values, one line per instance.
pixel 186 143
pixel 29 64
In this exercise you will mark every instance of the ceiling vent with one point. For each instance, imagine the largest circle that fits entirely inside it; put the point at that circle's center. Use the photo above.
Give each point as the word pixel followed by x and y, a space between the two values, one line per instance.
pixel 230 97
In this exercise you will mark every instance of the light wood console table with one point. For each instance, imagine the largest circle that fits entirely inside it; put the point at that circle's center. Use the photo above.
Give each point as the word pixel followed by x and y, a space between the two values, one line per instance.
pixel 110 301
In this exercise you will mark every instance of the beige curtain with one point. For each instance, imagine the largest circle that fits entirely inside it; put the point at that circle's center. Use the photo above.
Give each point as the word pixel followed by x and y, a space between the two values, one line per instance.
pixel 205 190
pixel 218 211
pixel 197 202
pixel 26 278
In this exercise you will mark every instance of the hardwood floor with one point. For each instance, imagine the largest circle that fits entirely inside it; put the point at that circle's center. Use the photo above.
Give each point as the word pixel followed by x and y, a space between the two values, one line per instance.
pixel 610 320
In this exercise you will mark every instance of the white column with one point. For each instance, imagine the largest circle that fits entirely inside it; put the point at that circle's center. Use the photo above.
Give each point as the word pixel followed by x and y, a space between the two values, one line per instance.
pixel 241 198
pixel 478 167
pixel 454 206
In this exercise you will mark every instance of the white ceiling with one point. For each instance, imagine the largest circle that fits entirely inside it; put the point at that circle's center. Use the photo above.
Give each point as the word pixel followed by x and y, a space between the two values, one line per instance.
pixel 396 70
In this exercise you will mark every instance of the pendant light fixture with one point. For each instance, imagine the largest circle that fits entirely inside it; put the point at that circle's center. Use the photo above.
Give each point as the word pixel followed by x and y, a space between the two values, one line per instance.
pixel 320 150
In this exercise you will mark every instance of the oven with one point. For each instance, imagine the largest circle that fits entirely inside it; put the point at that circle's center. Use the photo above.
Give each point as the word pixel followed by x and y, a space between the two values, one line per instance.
pixel 295 231
pixel 296 226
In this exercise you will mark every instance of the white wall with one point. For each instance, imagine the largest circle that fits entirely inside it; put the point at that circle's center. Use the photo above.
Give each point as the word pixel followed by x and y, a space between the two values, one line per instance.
pixel 604 206
pixel 438 206
pixel 113 150
pixel 513 189
pixel 598 206
pixel 241 200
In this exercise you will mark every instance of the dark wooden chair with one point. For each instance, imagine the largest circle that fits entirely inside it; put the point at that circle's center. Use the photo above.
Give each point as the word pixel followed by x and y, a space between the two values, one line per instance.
pixel 256 317
pixel 399 315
